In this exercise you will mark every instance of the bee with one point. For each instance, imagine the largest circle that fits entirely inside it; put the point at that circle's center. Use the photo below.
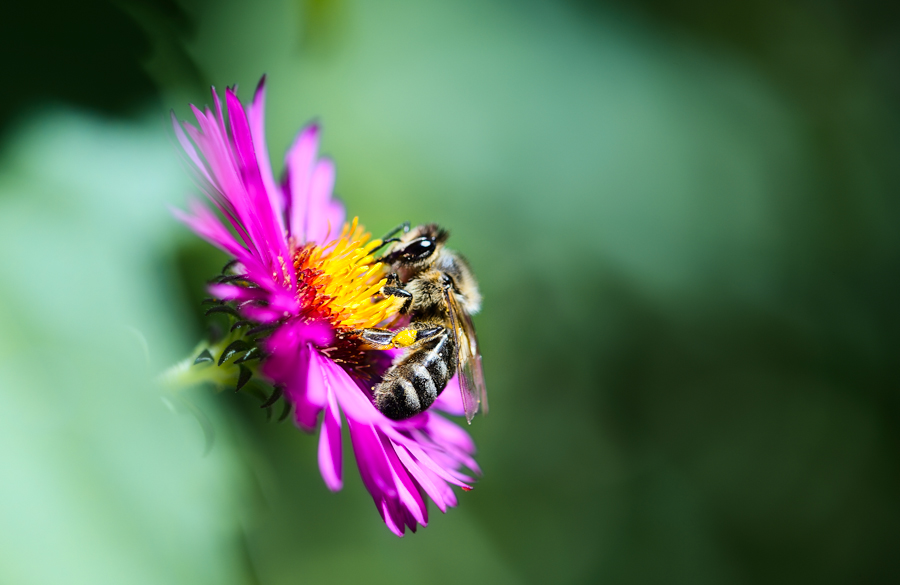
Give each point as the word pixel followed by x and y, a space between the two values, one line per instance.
pixel 440 296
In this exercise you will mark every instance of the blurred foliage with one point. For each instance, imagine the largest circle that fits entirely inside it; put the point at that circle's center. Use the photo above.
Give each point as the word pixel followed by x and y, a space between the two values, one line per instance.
pixel 684 219
pixel 101 482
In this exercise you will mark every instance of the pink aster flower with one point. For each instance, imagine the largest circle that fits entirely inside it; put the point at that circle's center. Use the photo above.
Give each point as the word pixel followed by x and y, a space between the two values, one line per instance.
pixel 302 280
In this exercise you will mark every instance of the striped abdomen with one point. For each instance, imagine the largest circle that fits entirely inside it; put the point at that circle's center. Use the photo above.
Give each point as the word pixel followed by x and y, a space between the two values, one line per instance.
pixel 412 385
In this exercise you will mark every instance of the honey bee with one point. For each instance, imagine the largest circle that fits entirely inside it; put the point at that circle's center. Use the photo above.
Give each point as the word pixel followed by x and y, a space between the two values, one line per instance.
pixel 440 296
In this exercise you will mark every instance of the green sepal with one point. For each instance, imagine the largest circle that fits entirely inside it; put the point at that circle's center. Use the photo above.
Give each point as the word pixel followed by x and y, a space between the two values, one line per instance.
pixel 234 347
pixel 243 377
pixel 241 323
pixel 286 411
pixel 254 354
pixel 276 394
pixel 223 309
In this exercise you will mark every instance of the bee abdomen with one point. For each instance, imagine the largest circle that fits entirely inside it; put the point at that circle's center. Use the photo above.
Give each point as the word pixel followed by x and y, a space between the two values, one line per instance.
pixel 412 385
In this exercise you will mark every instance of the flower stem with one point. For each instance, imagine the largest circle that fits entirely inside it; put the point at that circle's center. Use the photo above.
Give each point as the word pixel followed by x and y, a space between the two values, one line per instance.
pixel 193 370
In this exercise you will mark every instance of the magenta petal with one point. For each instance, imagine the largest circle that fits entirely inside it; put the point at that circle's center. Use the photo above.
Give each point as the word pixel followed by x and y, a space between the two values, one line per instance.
pixel 421 476
pixel 374 470
pixel 208 226
pixel 334 216
pixel 210 138
pixel 299 167
pixel 230 292
pixel 259 207
pixel 330 446
pixel 362 437
pixel 446 491
pixel 387 514
pixel 444 432
pixel 316 385
pixel 407 493
pixel 317 225
pixel 261 314
pixel 427 462
pixel 219 117
pixel 450 400
pixel 305 412
pixel 317 333
pixel 386 478
pixel 239 182
pixel 295 364
pixel 353 400
pixel 256 115
pixel 189 148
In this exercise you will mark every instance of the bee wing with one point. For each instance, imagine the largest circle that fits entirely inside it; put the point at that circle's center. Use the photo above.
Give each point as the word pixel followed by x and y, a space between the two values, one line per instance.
pixel 471 376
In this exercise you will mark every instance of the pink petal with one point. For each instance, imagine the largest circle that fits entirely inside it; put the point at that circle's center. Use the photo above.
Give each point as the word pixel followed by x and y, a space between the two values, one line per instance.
pixel 210 138
pixel 444 432
pixel 294 363
pixel 261 314
pixel 317 226
pixel 353 400
pixel 189 148
pixel 446 474
pixel 334 217
pixel 317 383
pixel 318 333
pixel 425 480
pixel 407 493
pixel 446 491
pixel 305 412
pixel 219 117
pixel 330 446
pixel 450 400
pixel 299 166
pixel 205 224
pixel 387 514
pixel 259 209
pixel 256 115
pixel 230 292
pixel 370 459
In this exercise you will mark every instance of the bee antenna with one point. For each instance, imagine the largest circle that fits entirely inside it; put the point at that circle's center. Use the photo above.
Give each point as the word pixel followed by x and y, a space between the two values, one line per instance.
pixel 385 243
pixel 404 227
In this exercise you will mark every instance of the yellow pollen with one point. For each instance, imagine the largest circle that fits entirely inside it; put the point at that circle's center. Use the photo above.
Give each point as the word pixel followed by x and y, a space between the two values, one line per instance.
pixel 347 279
pixel 405 338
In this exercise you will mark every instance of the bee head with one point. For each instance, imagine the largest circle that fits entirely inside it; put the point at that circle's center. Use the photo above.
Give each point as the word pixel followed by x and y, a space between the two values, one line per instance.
pixel 418 247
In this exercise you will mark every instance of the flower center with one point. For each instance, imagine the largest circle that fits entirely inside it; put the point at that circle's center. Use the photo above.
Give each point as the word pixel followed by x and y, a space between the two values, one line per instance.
pixel 339 282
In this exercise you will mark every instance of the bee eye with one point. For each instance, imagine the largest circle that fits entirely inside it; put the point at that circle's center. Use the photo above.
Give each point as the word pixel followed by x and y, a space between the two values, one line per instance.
pixel 418 249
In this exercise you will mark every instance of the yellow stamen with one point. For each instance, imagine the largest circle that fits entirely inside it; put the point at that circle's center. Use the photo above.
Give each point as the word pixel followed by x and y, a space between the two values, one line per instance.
pixel 347 279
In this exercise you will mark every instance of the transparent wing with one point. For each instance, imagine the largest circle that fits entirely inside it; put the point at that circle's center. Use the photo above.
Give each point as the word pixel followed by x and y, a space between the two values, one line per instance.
pixel 471 376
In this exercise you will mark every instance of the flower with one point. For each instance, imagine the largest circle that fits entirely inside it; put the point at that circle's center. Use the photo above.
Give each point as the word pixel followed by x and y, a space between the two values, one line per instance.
pixel 304 279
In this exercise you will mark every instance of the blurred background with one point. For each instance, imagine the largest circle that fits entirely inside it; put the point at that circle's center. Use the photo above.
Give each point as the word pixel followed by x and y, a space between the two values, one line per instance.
pixel 684 216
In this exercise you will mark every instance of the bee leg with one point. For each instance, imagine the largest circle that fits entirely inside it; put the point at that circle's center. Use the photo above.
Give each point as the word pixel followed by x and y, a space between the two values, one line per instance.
pixel 375 338
pixel 387 339
pixel 397 291
pixel 425 331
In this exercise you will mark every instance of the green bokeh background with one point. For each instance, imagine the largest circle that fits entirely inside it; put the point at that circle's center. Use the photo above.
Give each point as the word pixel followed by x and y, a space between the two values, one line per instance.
pixel 684 217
